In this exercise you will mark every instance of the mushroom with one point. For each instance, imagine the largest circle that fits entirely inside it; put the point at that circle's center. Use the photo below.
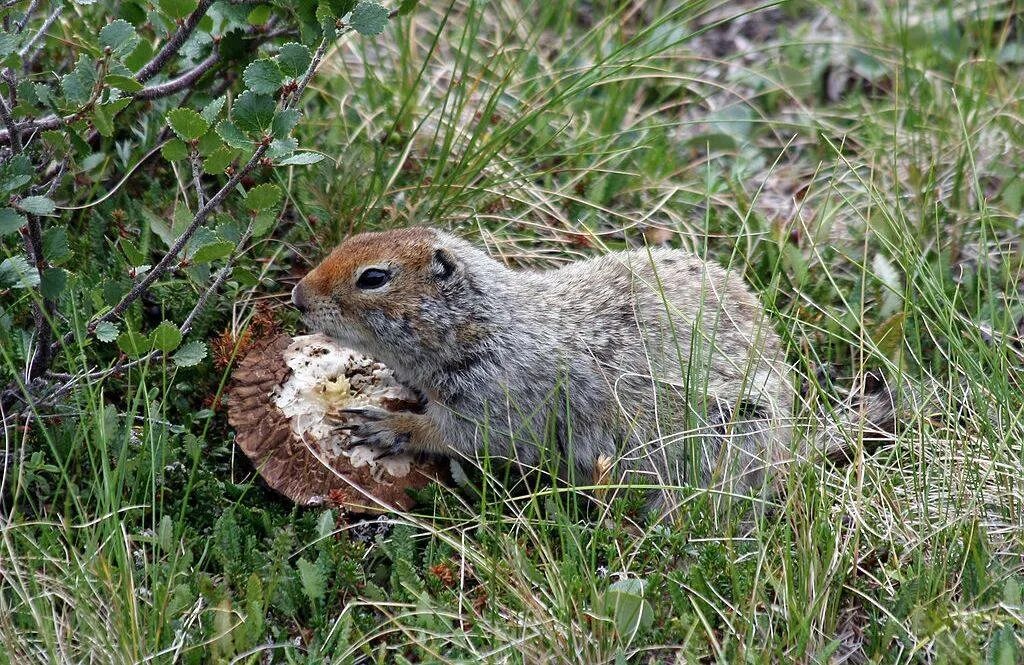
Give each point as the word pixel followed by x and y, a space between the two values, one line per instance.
pixel 280 397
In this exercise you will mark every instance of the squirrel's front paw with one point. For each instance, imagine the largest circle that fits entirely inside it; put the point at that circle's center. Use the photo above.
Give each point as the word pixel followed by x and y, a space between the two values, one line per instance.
pixel 370 426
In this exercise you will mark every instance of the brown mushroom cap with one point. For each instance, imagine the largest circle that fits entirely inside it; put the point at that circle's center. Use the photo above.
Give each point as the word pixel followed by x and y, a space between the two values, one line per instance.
pixel 303 456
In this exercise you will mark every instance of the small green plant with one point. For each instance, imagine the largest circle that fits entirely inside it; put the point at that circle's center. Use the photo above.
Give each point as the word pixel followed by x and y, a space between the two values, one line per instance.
pixel 93 97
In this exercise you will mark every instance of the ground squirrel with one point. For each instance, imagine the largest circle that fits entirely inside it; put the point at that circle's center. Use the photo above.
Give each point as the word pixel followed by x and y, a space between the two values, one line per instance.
pixel 657 359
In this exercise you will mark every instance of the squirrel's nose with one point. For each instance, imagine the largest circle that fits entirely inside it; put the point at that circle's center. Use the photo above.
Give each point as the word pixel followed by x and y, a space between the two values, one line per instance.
pixel 299 298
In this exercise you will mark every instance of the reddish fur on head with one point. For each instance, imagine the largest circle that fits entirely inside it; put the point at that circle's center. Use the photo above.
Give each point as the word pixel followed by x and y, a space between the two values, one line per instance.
pixel 406 247
pixel 407 317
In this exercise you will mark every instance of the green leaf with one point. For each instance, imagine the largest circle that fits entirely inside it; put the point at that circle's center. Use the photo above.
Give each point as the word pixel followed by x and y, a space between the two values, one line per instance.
pixel 78 83
pixel 213 109
pixel 263 76
pixel 233 136
pixel 341 7
pixel 253 112
pixel 178 8
pixel 142 54
pixel 325 524
pixel 624 602
pixel 165 533
pixel 219 159
pixel 314 582
pixel 123 83
pixel 16 173
pixel 27 93
pixel 116 106
pixel 406 7
pixel 259 15
pixel 53 282
pixel 187 124
pixel 132 253
pixel 294 59
pixel 326 19
pixel 102 120
pixel 10 221
pixel 284 122
pixel 165 337
pixel 119 36
pixel 369 18
pixel 190 354
pixel 212 251
pixel 174 150
pixel 37 205
pixel 304 158
pixel 209 143
pixel 263 223
pixel 280 148
pixel 16 273
pixel 134 344
pixel 8 44
pixel 55 244
pixel 263 197
pixel 106 331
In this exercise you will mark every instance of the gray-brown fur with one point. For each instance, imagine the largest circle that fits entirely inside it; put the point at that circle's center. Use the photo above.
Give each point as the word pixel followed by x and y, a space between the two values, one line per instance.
pixel 640 356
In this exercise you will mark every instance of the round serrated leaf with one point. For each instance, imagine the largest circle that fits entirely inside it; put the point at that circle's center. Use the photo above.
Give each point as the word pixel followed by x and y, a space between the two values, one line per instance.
pixel 133 343
pixel 37 205
pixel 174 150
pixel 190 354
pixel 187 124
pixel 233 136
pixel 165 337
pixel 253 112
pixel 294 59
pixel 10 221
pixel 263 197
pixel 106 331
pixel 369 18
pixel 284 122
pixel 263 76
pixel 213 109
pixel 53 282
pixel 119 36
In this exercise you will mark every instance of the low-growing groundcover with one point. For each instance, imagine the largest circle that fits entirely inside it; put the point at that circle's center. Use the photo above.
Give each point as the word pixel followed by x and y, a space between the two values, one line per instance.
pixel 858 161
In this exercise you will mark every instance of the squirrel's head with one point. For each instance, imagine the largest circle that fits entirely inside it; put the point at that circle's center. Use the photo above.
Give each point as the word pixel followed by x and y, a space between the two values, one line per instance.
pixel 406 297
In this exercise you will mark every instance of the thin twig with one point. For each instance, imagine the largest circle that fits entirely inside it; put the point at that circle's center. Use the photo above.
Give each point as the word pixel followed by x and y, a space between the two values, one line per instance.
pixel 197 173
pixel 219 279
pixel 173 45
pixel 39 33
pixel 43 307
pixel 28 15
pixel 5 116
pixel 180 83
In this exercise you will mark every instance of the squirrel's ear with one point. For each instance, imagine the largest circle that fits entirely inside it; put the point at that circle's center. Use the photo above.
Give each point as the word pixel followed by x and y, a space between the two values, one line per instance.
pixel 443 263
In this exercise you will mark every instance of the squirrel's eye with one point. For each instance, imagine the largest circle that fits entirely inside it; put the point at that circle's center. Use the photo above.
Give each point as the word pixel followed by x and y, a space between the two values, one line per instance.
pixel 373 278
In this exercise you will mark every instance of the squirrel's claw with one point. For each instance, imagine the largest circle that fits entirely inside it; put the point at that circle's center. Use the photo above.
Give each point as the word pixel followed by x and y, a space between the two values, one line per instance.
pixel 369 426
pixel 365 412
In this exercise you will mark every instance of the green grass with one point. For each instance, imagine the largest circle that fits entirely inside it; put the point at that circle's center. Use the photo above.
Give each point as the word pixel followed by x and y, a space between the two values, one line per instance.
pixel 860 164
